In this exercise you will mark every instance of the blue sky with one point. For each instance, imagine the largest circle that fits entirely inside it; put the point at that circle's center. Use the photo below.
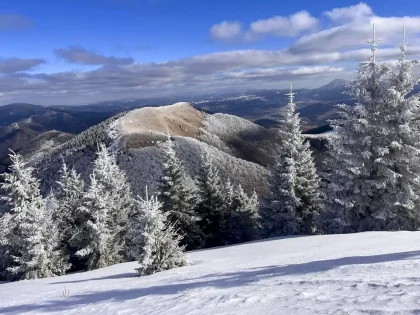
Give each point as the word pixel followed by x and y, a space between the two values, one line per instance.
pixel 66 51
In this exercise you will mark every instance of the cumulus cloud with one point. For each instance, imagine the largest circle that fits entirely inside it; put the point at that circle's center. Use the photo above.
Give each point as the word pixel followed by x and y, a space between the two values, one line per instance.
pixel 226 30
pixel 355 13
pixel 75 54
pixel 282 26
pixel 291 25
pixel 14 22
pixel 13 65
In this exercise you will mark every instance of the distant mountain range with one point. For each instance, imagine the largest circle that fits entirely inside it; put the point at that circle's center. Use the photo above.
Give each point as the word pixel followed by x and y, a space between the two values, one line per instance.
pixel 25 127
pixel 21 124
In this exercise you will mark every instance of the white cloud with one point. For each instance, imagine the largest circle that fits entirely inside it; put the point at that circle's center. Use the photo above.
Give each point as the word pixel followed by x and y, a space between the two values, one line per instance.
pixel 226 30
pixel 320 55
pixel 282 26
pixel 317 70
pixel 291 25
pixel 353 35
pixel 355 13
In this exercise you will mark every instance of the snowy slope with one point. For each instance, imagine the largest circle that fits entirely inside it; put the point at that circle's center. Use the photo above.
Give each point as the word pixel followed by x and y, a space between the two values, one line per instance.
pixel 240 148
pixel 367 273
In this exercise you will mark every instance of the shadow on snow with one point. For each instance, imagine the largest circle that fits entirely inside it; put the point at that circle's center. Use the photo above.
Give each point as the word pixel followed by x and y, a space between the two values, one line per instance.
pixel 224 280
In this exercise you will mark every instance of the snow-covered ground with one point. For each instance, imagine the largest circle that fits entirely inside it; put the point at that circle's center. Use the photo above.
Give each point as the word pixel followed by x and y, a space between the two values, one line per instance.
pixel 367 273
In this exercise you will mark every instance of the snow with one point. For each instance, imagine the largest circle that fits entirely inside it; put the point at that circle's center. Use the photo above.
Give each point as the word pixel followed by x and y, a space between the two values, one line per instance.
pixel 326 134
pixel 366 273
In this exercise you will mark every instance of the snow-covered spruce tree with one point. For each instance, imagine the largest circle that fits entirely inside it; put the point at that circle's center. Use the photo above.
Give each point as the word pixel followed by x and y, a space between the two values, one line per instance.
pixel 243 216
pixel 211 206
pixel 57 256
pixel 107 204
pixel 375 151
pixel 295 204
pixel 280 218
pixel 178 199
pixel 403 157
pixel 30 250
pixel 157 243
pixel 70 219
pixel 120 200
pixel 97 237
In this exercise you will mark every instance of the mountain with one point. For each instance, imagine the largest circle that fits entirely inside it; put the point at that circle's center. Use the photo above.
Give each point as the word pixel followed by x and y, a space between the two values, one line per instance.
pixel 360 273
pixel 316 106
pixel 12 113
pixel 43 144
pixel 20 134
pixel 22 123
pixel 334 85
pixel 17 134
pixel 240 149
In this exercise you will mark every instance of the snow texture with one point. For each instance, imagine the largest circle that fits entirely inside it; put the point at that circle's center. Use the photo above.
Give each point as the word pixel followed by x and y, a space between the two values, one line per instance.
pixel 365 273
pixel 144 166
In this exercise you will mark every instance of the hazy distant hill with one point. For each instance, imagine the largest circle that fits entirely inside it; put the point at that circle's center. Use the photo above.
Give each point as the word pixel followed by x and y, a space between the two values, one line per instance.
pixel 316 106
pixel 15 112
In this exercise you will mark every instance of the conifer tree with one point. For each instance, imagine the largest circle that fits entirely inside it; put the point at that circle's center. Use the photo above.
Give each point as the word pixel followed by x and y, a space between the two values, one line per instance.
pixel 178 199
pixel 107 204
pixel 70 219
pixel 57 258
pixel 295 201
pixel 243 222
pixel 157 242
pixel 97 238
pixel 211 206
pixel 403 156
pixel 118 191
pixel 31 239
pixel 280 217
pixel 375 152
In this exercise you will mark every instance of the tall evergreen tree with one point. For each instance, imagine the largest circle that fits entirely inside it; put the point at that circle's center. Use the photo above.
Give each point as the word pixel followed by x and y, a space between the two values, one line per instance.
pixel 178 199
pixel 120 200
pixel 211 206
pixel 375 153
pixel 157 243
pixel 70 219
pixel 31 239
pixel 403 156
pixel 295 201
pixel 107 204
pixel 97 236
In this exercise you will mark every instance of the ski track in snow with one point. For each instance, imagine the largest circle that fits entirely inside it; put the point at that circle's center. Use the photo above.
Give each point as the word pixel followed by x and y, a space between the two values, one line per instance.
pixel 366 273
